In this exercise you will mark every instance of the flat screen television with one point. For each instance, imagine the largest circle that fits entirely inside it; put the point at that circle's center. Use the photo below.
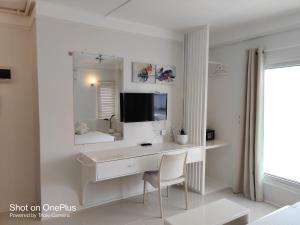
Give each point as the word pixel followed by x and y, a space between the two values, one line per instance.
pixel 142 107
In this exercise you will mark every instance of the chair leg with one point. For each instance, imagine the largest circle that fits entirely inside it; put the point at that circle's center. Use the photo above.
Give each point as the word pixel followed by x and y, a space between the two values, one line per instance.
pixel 160 202
pixel 167 191
pixel 186 195
pixel 144 196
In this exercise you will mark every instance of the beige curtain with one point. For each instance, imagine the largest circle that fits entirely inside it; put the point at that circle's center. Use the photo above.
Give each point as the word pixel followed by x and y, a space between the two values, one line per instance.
pixel 252 176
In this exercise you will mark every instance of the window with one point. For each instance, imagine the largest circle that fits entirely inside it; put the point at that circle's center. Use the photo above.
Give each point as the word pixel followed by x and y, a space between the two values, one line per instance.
pixel 106 99
pixel 282 122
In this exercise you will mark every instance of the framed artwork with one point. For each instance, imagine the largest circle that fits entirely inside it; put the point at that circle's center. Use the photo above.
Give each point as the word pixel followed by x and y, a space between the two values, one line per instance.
pixel 143 73
pixel 165 74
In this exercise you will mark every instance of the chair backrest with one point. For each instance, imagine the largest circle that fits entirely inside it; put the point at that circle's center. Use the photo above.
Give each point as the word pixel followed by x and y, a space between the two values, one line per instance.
pixel 172 165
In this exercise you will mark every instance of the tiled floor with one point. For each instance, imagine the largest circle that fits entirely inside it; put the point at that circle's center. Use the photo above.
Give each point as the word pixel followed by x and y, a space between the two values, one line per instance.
pixel 133 212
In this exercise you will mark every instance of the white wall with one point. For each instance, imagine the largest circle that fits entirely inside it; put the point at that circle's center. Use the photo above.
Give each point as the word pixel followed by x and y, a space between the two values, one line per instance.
pixel 226 102
pixel 60 174
pixel 18 119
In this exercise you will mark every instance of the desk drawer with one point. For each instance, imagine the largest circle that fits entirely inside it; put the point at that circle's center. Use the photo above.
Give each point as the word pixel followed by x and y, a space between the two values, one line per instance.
pixel 124 167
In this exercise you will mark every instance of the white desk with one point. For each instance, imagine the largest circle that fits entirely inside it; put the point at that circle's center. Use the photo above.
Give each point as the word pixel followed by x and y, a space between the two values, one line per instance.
pixel 115 163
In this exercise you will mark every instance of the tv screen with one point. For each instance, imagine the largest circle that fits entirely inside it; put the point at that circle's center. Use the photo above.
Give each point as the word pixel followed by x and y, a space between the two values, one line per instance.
pixel 5 73
pixel 140 107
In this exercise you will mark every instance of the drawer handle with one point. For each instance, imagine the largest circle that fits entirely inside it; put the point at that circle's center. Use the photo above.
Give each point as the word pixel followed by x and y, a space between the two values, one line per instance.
pixel 130 165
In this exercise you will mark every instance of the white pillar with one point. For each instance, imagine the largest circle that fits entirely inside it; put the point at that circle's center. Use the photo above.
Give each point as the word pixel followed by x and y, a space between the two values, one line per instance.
pixel 196 46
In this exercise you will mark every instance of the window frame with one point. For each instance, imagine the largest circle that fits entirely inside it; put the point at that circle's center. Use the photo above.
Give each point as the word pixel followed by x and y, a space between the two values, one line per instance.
pixel 283 180
pixel 113 84
pixel 271 177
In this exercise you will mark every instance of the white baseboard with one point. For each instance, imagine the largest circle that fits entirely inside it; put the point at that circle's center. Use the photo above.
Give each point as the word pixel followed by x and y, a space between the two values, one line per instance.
pixel 87 206
pixel 272 203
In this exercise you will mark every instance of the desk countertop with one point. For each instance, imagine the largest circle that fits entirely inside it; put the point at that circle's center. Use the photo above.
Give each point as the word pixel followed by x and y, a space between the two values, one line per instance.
pixel 136 151
pixel 215 144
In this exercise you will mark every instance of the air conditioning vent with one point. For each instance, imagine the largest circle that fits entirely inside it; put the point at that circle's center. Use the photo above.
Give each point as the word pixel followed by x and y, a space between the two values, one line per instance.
pixel 18 7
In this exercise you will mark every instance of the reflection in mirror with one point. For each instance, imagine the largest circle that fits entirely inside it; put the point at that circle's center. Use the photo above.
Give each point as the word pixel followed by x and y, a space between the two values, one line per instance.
pixel 97 87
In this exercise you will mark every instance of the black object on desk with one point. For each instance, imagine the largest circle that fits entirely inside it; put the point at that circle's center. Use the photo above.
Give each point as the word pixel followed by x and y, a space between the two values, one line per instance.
pixel 210 134
pixel 146 144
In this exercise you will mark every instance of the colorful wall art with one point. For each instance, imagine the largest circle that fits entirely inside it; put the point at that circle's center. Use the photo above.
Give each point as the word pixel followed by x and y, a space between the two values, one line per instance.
pixel 165 74
pixel 143 73
pixel 149 73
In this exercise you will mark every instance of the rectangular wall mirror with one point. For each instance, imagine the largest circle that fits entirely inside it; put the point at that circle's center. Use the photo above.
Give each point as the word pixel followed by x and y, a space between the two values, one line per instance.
pixel 98 82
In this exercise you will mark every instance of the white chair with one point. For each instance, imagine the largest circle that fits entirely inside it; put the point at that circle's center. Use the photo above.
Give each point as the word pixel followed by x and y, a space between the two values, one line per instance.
pixel 172 170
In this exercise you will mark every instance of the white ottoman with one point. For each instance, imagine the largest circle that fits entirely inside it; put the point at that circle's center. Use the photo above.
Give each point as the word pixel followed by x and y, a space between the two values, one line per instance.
pixel 216 213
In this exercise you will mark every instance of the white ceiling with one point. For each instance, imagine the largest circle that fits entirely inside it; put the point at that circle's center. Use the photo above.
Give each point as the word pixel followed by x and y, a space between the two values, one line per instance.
pixel 185 14
pixel 96 6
